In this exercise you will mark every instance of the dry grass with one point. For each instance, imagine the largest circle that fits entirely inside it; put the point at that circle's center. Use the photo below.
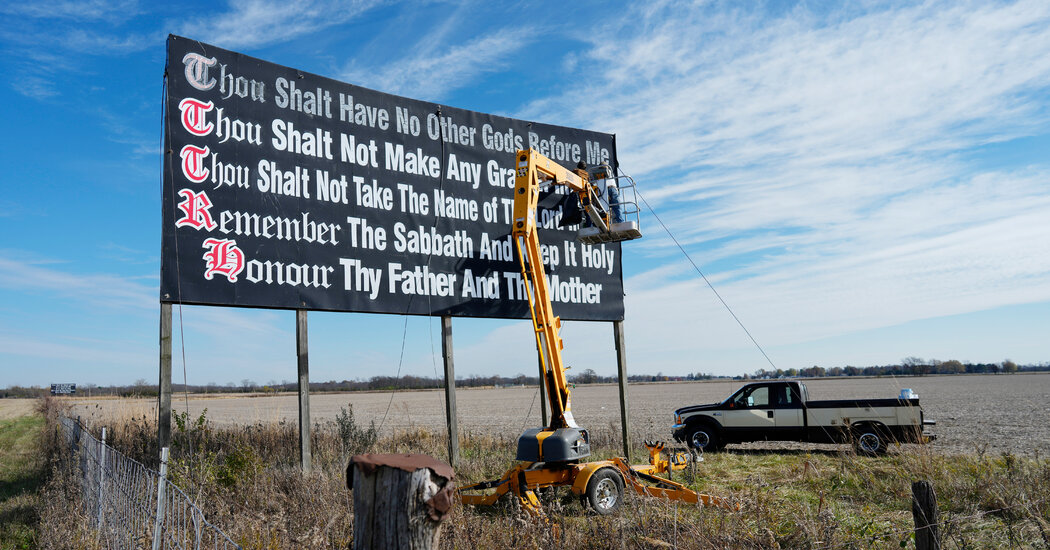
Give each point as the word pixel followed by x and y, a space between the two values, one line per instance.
pixel 11 409
pixel 247 480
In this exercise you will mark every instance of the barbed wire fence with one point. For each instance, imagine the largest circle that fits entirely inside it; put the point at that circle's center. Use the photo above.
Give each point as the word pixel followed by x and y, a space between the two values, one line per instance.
pixel 130 505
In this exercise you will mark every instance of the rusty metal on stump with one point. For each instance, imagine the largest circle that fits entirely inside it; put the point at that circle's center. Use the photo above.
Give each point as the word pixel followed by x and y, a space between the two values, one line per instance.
pixel 400 500
pixel 924 511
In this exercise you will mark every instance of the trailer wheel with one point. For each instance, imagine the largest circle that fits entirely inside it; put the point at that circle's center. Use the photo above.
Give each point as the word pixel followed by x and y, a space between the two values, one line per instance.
pixel 704 438
pixel 605 491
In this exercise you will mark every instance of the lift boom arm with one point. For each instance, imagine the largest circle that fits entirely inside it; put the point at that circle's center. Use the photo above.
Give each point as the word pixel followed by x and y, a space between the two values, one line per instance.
pixel 534 170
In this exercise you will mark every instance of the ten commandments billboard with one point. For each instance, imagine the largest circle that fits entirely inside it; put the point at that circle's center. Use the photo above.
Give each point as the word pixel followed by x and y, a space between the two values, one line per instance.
pixel 284 189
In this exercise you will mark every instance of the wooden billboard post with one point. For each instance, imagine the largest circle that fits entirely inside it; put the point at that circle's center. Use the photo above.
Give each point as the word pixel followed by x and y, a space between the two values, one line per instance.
pixel 303 355
pixel 164 385
pixel 450 390
pixel 543 389
pixel 621 371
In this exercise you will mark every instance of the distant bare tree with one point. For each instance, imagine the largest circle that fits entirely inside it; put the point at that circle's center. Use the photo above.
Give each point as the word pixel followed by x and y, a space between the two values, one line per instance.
pixel 588 376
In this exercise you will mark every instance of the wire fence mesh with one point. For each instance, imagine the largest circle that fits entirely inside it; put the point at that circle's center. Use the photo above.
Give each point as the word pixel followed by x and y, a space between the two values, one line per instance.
pixel 132 506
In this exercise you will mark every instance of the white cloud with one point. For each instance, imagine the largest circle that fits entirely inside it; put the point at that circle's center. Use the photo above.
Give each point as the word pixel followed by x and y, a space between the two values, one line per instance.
pixel 75 352
pixel 256 23
pixel 76 10
pixel 36 87
pixel 119 341
pixel 822 164
pixel 109 43
pixel 920 266
pixel 90 27
pixel 46 42
pixel 95 289
pixel 732 90
pixel 435 69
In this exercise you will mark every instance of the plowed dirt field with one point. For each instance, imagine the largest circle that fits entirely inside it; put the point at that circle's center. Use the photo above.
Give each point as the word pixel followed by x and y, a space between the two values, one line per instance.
pixel 996 413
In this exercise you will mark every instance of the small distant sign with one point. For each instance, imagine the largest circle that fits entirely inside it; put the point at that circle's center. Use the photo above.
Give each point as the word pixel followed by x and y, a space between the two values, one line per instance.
pixel 63 389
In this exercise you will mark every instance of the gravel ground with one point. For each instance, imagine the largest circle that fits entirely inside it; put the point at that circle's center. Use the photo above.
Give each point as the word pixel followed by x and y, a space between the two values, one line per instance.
pixel 997 413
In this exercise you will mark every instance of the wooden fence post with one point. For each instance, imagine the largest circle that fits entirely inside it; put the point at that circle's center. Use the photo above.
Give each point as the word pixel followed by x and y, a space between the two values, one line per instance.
pixel 101 479
pixel 924 512
pixel 400 500
pixel 162 484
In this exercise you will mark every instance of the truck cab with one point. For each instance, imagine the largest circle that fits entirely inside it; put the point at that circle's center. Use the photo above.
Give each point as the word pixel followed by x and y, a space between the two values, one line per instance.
pixel 766 410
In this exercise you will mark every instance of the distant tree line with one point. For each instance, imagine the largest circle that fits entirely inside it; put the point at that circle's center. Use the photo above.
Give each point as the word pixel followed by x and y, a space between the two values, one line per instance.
pixel 376 383
pixel 910 366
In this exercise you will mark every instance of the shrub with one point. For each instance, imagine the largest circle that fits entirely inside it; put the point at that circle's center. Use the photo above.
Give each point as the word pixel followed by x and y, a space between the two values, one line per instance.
pixel 355 438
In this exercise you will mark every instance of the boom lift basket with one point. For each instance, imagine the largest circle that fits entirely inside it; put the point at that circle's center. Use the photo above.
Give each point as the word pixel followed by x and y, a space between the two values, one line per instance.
pixel 612 220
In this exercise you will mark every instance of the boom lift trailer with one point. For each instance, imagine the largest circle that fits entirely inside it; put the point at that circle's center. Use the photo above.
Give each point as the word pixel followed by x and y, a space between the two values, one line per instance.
pixel 553 456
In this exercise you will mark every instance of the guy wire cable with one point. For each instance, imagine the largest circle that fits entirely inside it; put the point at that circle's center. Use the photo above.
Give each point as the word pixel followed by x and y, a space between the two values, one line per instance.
pixel 408 308
pixel 704 277
pixel 165 154
pixel 430 305
pixel 711 286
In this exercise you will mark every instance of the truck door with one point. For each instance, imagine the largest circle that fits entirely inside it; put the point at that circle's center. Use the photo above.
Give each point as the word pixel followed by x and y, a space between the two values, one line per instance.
pixel 787 412
pixel 750 415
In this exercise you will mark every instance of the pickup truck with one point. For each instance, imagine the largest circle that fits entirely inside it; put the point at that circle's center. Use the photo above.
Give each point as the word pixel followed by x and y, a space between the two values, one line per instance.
pixel 782 411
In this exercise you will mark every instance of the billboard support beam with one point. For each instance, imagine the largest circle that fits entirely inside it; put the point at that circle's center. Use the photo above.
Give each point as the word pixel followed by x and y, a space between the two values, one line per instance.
pixel 303 356
pixel 450 390
pixel 621 370
pixel 543 389
pixel 164 384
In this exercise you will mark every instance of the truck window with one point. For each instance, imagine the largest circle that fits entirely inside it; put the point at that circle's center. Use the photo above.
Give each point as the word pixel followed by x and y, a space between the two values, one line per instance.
pixel 754 397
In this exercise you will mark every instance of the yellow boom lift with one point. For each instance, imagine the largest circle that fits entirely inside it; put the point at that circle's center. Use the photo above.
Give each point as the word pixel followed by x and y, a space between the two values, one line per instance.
pixel 553 456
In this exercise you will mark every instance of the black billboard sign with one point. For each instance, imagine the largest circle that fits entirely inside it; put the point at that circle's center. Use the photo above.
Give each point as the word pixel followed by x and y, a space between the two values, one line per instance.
pixel 284 189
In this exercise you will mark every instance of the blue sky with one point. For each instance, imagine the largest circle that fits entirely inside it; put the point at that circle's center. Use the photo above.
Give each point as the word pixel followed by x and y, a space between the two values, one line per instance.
pixel 861 183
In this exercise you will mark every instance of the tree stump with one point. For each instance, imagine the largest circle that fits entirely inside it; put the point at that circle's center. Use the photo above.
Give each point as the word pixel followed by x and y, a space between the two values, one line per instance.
pixel 400 500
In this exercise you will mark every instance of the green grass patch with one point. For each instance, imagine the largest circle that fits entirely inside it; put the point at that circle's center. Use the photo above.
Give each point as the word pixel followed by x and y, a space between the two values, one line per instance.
pixel 22 474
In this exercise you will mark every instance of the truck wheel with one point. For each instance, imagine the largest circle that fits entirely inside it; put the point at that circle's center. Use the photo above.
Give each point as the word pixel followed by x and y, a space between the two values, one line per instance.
pixel 869 440
pixel 704 438
pixel 605 491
